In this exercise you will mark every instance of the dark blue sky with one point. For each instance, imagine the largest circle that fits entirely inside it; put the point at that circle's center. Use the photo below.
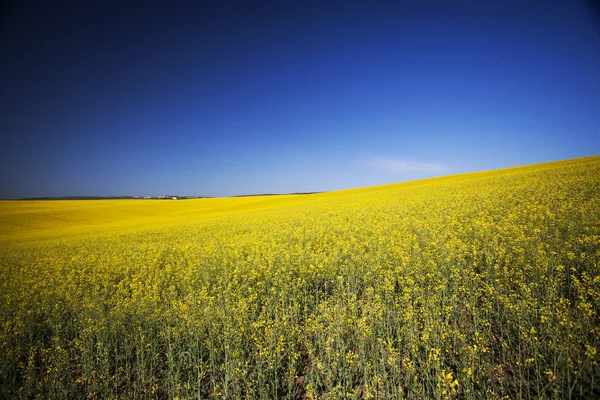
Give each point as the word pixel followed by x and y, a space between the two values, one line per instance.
pixel 221 98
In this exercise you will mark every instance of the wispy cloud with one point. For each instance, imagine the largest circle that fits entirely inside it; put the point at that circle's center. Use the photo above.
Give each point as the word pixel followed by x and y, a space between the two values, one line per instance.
pixel 393 165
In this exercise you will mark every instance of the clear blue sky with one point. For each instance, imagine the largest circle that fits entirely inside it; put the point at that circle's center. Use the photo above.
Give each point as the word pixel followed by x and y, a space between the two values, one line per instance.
pixel 219 98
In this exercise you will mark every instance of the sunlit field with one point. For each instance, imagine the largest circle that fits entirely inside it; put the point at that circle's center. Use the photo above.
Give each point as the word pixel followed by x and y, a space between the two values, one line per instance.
pixel 483 285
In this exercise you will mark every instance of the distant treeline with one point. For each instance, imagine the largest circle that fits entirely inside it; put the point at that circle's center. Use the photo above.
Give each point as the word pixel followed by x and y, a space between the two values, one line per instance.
pixel 157 197
pixel 115 198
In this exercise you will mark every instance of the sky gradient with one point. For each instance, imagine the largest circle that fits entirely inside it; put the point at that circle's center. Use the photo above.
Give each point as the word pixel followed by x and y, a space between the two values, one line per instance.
pixel 219 98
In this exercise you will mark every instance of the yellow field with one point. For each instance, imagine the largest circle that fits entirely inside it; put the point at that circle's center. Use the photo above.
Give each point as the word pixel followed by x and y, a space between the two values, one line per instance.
pixel 480 285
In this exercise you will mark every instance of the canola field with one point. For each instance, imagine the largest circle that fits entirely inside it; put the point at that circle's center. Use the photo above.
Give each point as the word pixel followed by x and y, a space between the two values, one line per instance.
pixel 475 286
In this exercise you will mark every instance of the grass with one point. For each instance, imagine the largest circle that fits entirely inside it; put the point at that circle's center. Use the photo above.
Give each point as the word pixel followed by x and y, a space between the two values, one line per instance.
pixel 481 285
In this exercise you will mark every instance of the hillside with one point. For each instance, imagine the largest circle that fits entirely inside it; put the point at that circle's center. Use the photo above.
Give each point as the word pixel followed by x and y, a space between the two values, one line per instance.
pixel 479 285
pixel 33 220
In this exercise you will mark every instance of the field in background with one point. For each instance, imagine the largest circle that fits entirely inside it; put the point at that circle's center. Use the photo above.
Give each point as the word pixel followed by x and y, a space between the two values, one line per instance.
pixel 480 285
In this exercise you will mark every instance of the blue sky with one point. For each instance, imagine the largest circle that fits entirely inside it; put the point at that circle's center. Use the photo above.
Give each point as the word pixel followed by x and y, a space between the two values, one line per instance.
pixel 218 98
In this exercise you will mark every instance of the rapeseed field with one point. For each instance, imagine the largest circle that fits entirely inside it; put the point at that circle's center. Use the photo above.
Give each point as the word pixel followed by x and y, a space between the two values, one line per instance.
pixel 474 286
